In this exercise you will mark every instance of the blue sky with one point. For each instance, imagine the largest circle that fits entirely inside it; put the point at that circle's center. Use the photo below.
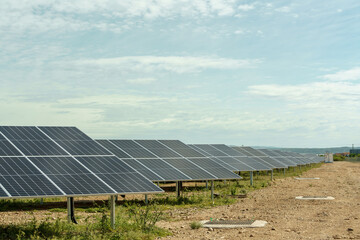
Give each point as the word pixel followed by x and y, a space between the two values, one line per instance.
pixel 270 73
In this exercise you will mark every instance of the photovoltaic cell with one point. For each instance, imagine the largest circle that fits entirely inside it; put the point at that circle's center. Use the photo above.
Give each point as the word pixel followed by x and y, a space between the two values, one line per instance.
pixel 71 176
pixel 2 193
pixel 190 169
pixel 31 141
pixel 157 148
pixel 181 148
pixel 228 150
pixel 214 168
pixel 200 150
pixel 148 173
pixel 112 148
pixel 252 162
pixel 211 150
pixel 163 169
pixel 133 149
pixel 74 141
pixel 21 179
pixel 7 149
pixel 238 165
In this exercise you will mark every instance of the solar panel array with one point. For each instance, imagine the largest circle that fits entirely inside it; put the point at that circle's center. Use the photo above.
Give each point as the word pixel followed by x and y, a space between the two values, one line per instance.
pixel 228 156
pixel 167 160
pixel 62 161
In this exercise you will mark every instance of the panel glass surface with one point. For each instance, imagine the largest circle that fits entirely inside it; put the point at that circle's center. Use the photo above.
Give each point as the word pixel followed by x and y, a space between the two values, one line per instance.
pixel 237 164
pixel 21 179
pixel 3 193
pixel 270 153
pixel 113 149
pixel 157 148
pixel 214 168
pixel 181 148
pixel 227 166
pixel 65 133
pixel 228 150
pixel 7 149
pixel 285 161
pixel 251 161
pixel 71 176
pixel 163 169
pixel 273 162
pixel 133 149
pixel 200 150
pixel 31 141
pixel 129 183
pixel 211 150
pixel 190 169
pixel 148 173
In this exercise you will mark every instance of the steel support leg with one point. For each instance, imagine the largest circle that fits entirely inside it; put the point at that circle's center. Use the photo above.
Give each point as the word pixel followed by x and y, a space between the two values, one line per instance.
pixel 284 171
pixel 146 199
pixel 272 175
pixel 206 184
pixel 212 190
pixel 112 211
pixel 71 211
pixel 178 189
pixel 251 179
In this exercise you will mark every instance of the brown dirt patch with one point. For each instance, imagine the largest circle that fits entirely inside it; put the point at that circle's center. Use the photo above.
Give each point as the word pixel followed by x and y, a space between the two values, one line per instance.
pixel 287 218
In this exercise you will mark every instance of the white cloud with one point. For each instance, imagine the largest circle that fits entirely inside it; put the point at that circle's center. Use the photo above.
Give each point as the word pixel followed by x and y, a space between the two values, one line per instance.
pixel 177 64
pixel 316 95
pixel 141 80
pixel 347 75
pixel 284 9
pixel 110 15
pixel 245 7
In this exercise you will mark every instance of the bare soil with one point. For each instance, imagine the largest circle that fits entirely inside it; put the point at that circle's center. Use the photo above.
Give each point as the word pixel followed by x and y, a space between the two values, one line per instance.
pixel 287 217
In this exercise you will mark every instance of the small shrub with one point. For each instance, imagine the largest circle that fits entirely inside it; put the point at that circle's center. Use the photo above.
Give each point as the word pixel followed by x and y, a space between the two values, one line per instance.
pixel 195 225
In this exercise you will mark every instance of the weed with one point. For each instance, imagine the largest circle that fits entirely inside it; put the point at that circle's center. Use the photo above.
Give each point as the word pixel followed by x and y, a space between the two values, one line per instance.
pixel 195 225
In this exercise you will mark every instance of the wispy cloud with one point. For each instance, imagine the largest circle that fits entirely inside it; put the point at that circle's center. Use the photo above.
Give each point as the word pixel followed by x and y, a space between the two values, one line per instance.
pixel 346 75
pixel 141 80
pixel 177 64
pixel 246 7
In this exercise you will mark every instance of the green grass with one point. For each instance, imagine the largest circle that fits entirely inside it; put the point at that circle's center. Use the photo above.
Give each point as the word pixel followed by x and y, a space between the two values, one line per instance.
pixel 132 222
pixel 195 225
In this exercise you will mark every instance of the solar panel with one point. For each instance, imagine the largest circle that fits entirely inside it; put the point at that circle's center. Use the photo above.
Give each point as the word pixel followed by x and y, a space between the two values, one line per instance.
pixel 48 165
pixel 237 164
pixel 189 168
pixel 164 169
pixel 200 150
pixel 133 149
pixel 74 141
pixel 181 148
pixel 31 141
pixel 276 156
pixel 213 167
pixel 157 148
pixel 113 149
pixel 7 149
pixel 71 176
pixel 148 173
pixel 20 178
pixel 228 150
pixel 211 150
pixel 254 163
pixel 117 174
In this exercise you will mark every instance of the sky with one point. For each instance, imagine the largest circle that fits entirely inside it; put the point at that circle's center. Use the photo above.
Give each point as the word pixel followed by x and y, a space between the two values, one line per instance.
pixel 257 73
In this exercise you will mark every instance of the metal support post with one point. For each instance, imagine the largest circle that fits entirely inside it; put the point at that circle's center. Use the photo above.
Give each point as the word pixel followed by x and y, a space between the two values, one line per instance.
pixel 224 182
pixel 272 175
pixel 146 199
pixel 41 201
pixel 206 184
pixel 251 179
pixel 178 189
pixel 71 212
pixel 112 211
pixel 212 190
pixel 284 171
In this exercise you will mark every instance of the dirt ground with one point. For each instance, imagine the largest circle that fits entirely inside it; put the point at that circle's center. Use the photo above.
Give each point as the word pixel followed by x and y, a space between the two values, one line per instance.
pixel 287 217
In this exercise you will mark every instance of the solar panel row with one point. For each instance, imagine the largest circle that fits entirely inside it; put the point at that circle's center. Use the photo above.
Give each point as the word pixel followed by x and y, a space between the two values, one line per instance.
pixel 62 161
pixel 167 160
